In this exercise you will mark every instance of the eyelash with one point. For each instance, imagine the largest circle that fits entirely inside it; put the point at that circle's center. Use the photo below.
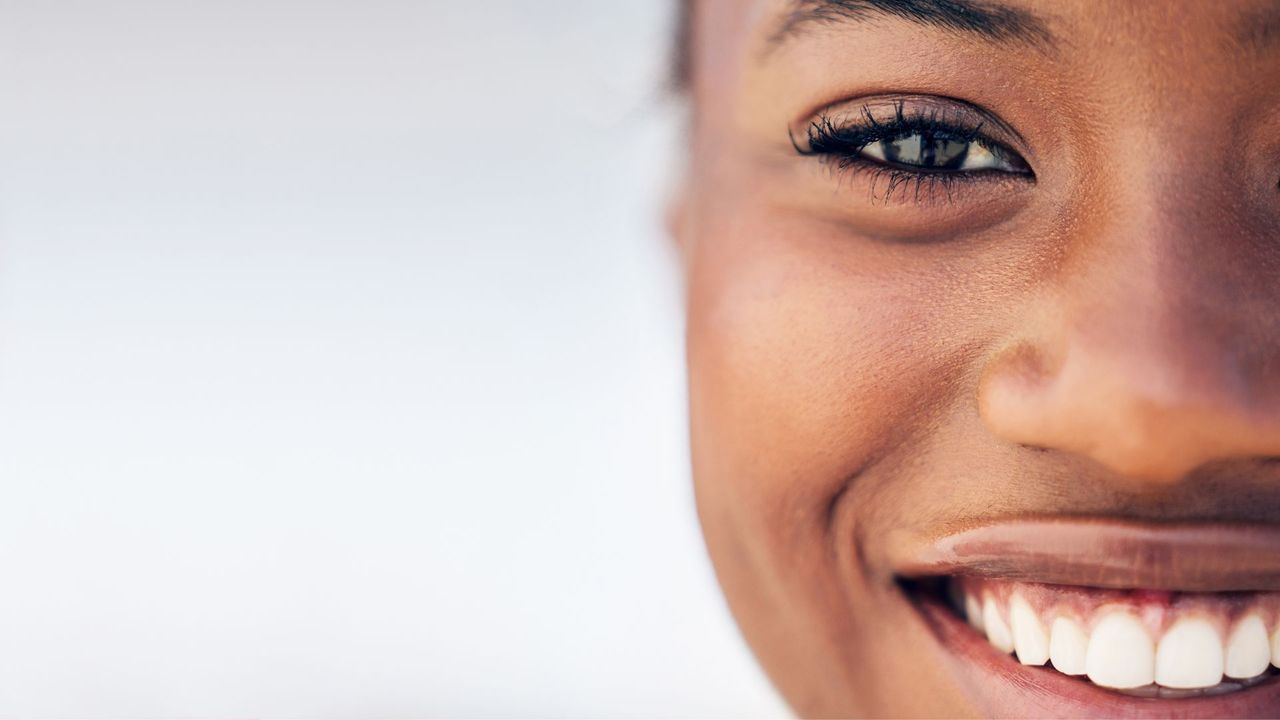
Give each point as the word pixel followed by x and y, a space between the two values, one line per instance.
pixel 841 145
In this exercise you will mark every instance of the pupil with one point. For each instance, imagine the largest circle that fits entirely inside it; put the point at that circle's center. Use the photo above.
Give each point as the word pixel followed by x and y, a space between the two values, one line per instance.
pixel 924 150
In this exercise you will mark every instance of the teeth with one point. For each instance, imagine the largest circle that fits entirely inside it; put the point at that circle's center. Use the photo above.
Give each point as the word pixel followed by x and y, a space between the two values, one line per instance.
pixel 1029 640
pixel 973 611
pixel 1067 646
pixel 1120 654
pixel 997 632
pixel 1148 643
pixel 1247 650
pixel 1189 655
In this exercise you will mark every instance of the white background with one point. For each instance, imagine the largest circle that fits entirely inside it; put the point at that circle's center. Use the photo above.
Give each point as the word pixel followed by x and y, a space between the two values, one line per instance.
pixel 340 367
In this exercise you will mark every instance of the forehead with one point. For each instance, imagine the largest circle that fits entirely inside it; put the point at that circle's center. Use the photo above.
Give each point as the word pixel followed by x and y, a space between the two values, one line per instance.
pixel 734 37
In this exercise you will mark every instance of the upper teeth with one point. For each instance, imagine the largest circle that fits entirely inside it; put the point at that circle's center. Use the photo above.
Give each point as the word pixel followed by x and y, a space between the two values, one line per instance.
pixel 1068 646
pixel 1125 646
pixel 1121 654
pixel 1029 639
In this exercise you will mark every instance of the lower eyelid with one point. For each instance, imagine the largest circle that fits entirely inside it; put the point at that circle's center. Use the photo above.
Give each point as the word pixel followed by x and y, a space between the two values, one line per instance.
pixel 929 209
pixel 888 185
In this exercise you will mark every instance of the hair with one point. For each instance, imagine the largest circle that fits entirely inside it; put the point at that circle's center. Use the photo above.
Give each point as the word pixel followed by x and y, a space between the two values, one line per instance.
pixel 681 57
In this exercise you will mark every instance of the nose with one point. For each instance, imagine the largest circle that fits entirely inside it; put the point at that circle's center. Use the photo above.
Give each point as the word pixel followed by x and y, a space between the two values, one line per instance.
pixel 1155 350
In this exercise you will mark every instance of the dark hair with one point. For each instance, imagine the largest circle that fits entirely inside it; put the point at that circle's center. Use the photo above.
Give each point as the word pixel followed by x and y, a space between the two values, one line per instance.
pixel 681 52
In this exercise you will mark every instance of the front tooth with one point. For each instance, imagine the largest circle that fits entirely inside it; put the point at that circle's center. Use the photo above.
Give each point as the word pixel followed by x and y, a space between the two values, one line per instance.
pixel 1247 651
pixel 1029 640
pixel 973 611
pixel 1067 646
pixel 1121 654
pixel 1189 655
pixel 997 632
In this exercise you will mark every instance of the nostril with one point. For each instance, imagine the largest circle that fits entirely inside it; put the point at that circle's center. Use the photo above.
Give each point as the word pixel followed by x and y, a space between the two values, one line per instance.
pixel 1145 420
pixel 1014 394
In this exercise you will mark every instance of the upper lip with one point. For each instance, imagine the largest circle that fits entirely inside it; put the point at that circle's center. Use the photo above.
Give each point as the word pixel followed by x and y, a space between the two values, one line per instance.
pixel 1191 557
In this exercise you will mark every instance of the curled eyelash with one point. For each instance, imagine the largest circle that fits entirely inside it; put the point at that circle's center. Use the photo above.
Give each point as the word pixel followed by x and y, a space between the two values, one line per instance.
pixel 840 143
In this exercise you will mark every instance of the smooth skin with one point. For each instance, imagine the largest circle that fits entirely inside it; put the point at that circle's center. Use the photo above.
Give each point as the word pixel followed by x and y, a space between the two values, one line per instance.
pixel 1101 342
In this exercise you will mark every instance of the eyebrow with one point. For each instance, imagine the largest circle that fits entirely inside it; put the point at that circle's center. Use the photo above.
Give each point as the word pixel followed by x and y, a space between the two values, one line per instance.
pixel 986 20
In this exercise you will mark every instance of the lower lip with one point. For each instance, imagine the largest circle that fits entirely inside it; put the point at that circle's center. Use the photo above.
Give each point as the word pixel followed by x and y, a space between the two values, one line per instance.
pixel 1003 687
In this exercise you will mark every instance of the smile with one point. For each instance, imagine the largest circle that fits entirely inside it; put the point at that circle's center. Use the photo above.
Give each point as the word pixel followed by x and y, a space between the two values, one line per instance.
pixel 1098 618
pixel 1153 644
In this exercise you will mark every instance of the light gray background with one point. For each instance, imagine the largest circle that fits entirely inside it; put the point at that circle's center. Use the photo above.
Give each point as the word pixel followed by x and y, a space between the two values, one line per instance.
pixel 340 366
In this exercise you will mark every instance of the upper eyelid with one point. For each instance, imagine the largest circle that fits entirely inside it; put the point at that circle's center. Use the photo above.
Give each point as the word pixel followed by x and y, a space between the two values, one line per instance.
pixel 873 130
pixel 854 136
pixel 954 110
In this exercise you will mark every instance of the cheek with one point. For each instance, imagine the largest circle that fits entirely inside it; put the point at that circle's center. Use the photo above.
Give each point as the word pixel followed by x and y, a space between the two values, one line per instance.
pixel 804 363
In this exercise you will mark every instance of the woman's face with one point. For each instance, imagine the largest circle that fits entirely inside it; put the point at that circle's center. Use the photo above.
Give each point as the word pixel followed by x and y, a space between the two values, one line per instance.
pixel 984 310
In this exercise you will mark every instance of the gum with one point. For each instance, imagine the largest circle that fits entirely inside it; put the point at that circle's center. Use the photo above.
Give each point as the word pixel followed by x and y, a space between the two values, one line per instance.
pixel 1157 610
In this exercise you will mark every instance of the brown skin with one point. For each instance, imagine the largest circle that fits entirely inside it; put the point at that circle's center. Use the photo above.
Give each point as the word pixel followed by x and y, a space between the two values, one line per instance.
pixel 1101 342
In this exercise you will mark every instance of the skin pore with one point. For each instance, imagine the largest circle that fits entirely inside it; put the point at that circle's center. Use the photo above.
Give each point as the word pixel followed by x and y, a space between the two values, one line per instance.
pixel 879 357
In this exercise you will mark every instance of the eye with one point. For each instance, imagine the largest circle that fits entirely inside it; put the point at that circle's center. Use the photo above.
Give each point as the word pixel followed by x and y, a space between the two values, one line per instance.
pixel 940 152
pixel 928 137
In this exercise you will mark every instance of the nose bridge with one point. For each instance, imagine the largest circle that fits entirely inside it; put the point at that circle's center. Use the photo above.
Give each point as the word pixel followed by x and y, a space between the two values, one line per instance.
pixel 1150 352
pixel 1149 308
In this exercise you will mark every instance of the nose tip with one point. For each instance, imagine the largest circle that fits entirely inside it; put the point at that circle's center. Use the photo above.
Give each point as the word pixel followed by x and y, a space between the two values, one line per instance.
pixel 1152 421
